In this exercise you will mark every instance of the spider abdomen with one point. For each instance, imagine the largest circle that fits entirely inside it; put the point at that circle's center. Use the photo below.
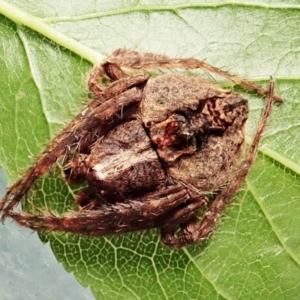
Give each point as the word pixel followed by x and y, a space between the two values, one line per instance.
pixel 196 127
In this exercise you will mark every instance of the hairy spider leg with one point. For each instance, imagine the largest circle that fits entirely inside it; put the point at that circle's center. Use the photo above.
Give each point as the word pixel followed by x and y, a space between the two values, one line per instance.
pixel 136 60
pixel 149 212
pixel 105 106
pixel 182 217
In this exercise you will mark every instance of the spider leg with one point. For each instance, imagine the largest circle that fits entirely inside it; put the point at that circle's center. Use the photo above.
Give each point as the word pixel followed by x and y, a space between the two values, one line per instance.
pixel 113 71
pixel 147 212
pixel 110 70
pixel 184 217
pixel 93 82
pixel 136 60
pixel 195 231
pixel 118 95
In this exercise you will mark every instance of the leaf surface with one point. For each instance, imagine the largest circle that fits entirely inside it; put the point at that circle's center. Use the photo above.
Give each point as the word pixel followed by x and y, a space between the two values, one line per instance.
pixel 254 252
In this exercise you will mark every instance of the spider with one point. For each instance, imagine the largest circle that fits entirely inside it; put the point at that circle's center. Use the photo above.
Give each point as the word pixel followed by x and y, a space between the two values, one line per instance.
pixel 160 152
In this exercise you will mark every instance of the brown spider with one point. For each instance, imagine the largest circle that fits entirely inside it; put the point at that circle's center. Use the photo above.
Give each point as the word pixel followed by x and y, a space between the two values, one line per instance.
pixel 153 152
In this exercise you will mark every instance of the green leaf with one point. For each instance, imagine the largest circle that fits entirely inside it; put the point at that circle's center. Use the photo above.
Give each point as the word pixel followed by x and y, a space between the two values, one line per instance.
pixel 255 250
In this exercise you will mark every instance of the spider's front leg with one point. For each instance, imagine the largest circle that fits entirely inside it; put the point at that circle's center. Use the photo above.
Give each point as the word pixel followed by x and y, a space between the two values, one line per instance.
pixel 136 60
pixel 85 127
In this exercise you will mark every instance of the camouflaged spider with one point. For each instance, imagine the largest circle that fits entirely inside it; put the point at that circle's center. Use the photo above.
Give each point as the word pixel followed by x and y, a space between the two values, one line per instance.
pixel 154 152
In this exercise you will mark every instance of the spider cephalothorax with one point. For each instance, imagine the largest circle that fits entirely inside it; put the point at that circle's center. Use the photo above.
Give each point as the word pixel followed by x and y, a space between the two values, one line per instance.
pixel 153 152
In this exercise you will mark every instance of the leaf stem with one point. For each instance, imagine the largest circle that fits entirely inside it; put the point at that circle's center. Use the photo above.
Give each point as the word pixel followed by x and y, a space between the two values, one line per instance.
pixel 20 17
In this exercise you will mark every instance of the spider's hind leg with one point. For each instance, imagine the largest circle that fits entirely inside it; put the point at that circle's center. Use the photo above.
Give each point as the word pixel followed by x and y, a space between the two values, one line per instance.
pixel 144 213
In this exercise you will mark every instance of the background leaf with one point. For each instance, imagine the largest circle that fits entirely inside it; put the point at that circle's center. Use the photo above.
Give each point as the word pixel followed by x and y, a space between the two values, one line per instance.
pixel 254 252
